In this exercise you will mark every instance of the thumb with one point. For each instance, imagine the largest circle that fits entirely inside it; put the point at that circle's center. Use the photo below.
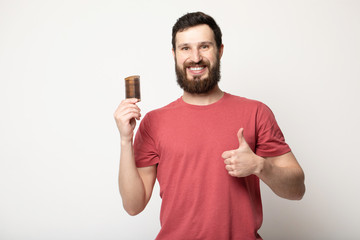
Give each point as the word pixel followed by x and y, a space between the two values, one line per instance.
pixel 241 137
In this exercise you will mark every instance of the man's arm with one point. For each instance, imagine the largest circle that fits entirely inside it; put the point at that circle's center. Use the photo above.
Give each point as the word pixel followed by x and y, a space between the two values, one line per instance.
pixel 135 184
pixel 282 174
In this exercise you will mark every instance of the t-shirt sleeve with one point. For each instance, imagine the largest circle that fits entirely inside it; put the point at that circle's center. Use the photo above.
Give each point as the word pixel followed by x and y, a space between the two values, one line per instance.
pixel 144 146
pixel 270 140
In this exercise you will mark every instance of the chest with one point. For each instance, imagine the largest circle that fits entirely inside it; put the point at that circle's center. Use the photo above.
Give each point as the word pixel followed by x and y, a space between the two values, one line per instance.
pixel 202 134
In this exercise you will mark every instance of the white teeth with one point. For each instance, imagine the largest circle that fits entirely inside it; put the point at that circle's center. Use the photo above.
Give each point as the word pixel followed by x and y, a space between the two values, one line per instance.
pixel 196 68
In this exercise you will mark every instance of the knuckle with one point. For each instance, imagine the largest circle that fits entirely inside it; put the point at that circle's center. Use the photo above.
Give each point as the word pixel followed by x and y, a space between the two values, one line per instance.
pixel 116 116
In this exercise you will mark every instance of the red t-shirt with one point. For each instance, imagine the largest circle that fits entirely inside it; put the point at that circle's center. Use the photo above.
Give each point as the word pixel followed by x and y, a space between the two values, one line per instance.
pixel 200 200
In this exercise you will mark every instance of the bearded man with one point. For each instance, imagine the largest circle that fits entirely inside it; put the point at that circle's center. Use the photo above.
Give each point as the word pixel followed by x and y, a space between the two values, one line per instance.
pixel 208 149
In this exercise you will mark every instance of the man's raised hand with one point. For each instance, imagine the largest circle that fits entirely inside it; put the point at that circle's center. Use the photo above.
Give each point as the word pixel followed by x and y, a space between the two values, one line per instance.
pixel 242 162
pixel 125 116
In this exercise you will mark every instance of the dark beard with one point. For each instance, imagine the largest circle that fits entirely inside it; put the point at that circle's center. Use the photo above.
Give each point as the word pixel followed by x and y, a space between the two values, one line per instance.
pixel 198 86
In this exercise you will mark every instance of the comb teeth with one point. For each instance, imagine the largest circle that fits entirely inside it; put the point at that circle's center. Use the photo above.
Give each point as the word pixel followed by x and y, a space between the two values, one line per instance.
pixel 132 87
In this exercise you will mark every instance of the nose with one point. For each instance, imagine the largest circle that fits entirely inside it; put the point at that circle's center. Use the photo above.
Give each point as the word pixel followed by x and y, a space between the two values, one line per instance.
pixel 195 56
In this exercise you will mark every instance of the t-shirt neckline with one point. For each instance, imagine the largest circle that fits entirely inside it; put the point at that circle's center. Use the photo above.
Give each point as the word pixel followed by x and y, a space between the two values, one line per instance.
pixel 182 102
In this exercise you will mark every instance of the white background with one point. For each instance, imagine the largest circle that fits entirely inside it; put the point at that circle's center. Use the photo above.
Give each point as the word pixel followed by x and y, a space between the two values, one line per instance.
pixel 62 70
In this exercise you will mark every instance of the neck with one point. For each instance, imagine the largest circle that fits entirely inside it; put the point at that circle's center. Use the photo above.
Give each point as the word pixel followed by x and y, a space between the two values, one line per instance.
pixel 210 97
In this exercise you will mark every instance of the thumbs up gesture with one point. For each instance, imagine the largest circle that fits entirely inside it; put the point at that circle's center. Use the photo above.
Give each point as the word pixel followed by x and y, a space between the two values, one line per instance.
pixel 242 162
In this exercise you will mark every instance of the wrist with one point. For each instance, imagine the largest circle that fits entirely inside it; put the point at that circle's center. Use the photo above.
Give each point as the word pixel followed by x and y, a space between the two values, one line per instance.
pixel 126 141
pixel 260 166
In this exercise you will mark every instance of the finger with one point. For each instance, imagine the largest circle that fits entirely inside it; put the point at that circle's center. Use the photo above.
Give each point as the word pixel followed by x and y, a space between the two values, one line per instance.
pixel 227 161
pixel 132 107
pixel 229 167
pixel 131 100
pixel 232 173
pixel 125 108
pixel 227 154
pixel 124 116
pixel 129 116
pixel 133 112
pixel 241 137
pixel 121 114
pixel 127 103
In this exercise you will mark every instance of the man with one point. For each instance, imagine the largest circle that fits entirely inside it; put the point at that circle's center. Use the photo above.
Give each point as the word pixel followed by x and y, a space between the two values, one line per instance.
pixel 208 149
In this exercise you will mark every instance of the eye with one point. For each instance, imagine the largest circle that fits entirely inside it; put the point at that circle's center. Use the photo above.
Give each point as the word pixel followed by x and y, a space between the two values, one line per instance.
pixel 204 46
pixel 185 48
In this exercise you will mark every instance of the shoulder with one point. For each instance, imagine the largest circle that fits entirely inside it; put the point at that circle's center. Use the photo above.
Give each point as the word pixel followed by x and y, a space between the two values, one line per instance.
pixel 245 102
pixel 161 112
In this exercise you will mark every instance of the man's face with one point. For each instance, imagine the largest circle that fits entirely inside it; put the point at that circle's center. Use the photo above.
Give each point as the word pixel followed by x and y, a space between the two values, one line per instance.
pixel 197 59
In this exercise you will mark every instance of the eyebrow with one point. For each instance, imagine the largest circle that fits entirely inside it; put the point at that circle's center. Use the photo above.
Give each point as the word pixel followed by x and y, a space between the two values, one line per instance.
pixel 199 43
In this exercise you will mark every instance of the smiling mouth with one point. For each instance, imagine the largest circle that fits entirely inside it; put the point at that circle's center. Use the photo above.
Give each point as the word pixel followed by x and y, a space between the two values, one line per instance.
pixel 197 70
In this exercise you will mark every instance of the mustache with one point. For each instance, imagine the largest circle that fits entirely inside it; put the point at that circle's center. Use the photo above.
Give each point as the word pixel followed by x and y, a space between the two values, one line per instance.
pixel 196 64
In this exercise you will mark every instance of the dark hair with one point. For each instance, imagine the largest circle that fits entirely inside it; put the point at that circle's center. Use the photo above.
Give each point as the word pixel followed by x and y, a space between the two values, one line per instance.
pixel 194 19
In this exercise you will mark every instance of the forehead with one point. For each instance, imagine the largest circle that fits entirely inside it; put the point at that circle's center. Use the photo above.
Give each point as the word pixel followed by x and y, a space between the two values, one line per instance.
pixel 196 34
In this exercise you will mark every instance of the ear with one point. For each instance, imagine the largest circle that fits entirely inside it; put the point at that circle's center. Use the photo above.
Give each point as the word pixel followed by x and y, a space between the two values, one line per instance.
pixel 221 50
pixel 173 52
